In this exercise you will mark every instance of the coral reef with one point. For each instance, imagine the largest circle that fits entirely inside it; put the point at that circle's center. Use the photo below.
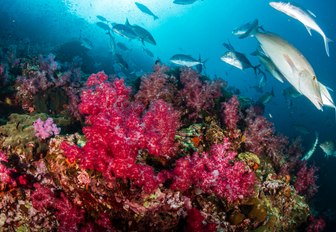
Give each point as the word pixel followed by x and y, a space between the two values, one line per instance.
pixel 178 154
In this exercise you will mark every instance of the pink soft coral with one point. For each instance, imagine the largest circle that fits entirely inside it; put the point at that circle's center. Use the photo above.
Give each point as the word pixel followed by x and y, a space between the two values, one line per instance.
pixel 215 172
pixel 262 140
pixel 231 113
pixel 198 96
pixel 315 224
pixel 157 85
pixel 305 182
pixel 45 129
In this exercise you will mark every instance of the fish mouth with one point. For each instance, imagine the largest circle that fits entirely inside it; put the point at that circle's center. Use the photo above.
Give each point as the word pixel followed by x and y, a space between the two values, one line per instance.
pixel 275 5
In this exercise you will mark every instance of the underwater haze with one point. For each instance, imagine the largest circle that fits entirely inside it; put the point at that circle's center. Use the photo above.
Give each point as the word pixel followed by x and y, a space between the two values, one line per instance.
pixel 185 64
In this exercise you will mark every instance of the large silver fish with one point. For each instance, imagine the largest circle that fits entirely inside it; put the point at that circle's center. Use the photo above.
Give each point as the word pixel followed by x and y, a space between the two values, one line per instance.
pixel 306 17
pixel 292 65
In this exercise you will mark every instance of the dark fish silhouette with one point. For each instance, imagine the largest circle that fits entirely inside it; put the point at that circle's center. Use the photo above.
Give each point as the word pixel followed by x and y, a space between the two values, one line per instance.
pixel 145 10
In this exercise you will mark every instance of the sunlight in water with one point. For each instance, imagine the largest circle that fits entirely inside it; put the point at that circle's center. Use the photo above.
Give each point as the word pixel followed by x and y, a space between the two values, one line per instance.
pixel 118 10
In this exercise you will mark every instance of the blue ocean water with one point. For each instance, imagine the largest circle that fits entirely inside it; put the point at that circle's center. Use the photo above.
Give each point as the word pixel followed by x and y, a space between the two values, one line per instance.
pixel 198 29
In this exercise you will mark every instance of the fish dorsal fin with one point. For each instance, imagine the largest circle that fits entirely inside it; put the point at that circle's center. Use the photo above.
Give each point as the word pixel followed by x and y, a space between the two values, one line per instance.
pixel 127 22
pixel 311 13
pixel 309 30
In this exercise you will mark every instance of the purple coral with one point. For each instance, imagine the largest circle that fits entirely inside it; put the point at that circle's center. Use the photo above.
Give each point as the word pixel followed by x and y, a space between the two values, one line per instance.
pixel 44 130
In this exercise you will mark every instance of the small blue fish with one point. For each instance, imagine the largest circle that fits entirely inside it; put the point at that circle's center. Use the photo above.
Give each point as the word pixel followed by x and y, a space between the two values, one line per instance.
pixel 184 2
pixel 145 10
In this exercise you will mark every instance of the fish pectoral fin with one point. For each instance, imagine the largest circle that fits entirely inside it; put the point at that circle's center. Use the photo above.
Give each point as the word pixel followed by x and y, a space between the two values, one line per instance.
pixel 309 30
pixel 290 62
pixel 311 13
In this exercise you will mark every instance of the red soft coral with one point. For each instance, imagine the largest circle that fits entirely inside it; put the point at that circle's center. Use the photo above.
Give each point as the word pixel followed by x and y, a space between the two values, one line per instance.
pixel 68 215
pixel 215 172
pixel 5 172
pixel 195 222
pixel 118 129
pixel 161 123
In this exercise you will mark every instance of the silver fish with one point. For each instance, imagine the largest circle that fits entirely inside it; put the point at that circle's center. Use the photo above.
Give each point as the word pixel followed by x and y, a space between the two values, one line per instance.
pixel 292 65
pixel 185 60
pixel 243 30
pixel 237 59
pixel 328 148
pixel 306 17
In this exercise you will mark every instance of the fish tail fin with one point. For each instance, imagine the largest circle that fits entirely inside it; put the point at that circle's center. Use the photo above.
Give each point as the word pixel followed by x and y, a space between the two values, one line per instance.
pixel 257 68
pixel 229 46
pixel 155 17
pixel 261 28
pixel 255 53
pixel 252 31
pixel 326 44
pixel 202 61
